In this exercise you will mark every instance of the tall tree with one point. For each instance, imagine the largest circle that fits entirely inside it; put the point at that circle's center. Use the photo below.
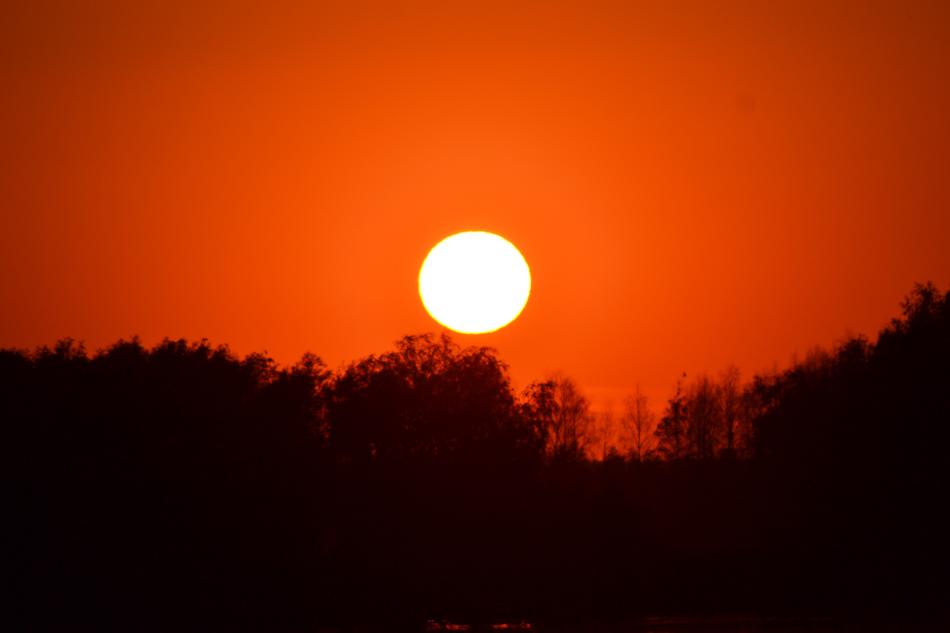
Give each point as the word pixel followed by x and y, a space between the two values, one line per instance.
pixel 730 408
pixel 428 399
pixel 561 414
pixel 671 432
pixel 638 424
pixel 703 419
pixel 605 432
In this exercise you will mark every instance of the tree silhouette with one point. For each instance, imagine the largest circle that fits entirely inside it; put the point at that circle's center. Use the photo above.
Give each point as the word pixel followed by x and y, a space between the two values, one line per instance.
pixel 731 410
pixel 638 425
pixel 182 487
pixel 561 414
pixel 429 399
pixel 671 433
pixel 703 421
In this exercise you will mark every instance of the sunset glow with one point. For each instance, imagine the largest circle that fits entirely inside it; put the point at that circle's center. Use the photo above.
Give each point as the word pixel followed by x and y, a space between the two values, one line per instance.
pixel 476 317
pixel 691 190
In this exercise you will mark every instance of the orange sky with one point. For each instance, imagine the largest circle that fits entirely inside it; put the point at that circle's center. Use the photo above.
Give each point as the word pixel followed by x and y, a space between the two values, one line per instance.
pixel 692 186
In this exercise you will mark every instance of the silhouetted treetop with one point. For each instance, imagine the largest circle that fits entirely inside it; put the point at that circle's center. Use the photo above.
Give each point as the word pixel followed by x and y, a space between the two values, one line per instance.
pixel 428 399
pixel 560 417
pixel 868 400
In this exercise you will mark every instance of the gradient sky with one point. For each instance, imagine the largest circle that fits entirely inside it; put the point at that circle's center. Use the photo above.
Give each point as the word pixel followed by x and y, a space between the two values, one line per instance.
pixel 693 185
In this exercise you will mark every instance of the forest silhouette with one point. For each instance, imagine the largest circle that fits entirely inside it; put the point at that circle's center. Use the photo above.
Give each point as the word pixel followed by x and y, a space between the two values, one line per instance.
pixel 182 487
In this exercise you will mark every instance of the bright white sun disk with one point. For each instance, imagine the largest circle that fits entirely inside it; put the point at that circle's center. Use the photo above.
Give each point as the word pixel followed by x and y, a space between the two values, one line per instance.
pixel 474 282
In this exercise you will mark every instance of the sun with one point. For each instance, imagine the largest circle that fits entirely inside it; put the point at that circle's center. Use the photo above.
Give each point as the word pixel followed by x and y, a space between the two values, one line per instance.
pixel 474 282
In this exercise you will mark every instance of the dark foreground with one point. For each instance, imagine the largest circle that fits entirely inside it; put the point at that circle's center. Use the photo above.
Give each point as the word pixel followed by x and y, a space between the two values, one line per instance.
pixel 179 484
pixel 696 624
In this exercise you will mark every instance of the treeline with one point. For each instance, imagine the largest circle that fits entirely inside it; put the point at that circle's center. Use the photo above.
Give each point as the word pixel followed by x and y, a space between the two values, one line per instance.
pixel 182 487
